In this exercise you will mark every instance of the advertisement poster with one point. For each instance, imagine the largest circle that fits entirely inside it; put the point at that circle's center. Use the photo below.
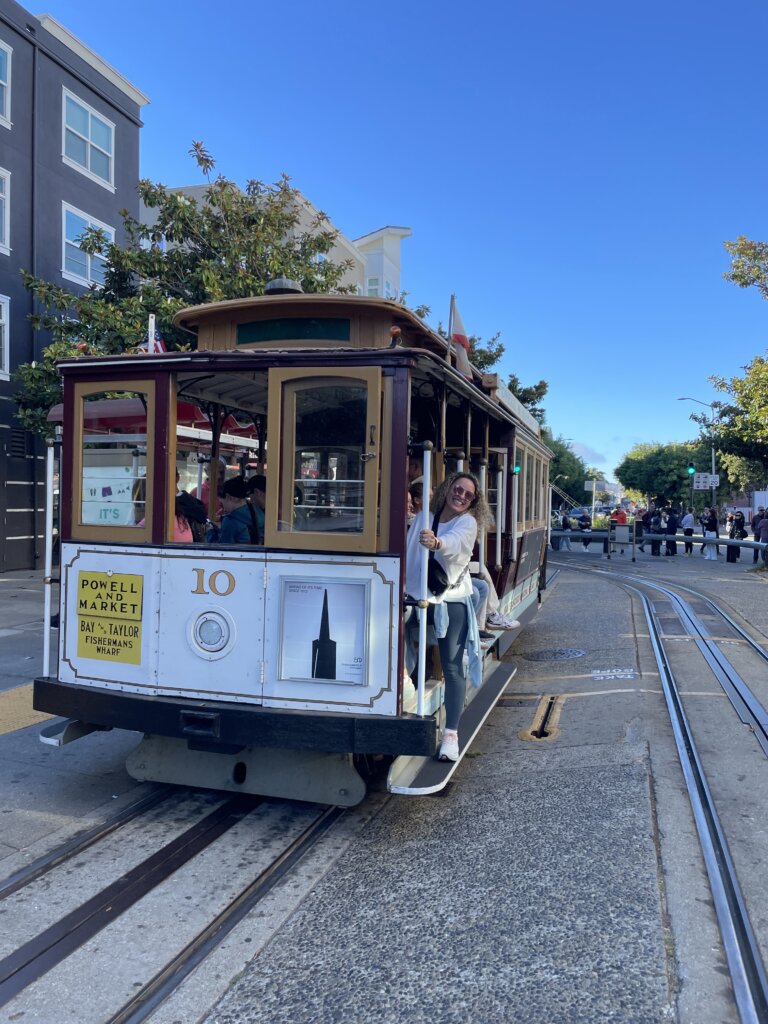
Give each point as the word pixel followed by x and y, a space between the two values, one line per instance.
pixel 109 616
pixel 323 633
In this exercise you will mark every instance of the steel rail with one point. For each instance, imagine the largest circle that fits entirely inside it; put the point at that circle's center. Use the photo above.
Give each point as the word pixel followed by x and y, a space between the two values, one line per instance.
pixel 167 980
pixel 82 841
pixel 744 702
pixel 748 978
pixel 40 954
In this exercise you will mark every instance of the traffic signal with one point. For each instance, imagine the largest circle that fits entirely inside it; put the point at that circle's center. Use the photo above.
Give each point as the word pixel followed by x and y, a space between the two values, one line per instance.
pixel 516 468
pixel 691 469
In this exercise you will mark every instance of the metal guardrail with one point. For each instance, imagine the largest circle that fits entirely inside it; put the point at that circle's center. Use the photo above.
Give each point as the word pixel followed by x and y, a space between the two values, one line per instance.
pixel 678 538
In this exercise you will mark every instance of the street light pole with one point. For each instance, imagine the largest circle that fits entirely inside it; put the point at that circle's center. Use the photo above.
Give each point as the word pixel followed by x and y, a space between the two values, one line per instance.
pixel 711 407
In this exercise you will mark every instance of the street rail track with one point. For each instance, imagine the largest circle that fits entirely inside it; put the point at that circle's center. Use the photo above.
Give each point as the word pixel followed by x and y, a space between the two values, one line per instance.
pixel 742 950
pixel 33 959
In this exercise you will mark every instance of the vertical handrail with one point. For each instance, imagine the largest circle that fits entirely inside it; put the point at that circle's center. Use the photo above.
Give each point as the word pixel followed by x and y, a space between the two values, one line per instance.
pixel 421 679
pixel 481 534
pixel 515 500
pixel 48 570
pixel 499 513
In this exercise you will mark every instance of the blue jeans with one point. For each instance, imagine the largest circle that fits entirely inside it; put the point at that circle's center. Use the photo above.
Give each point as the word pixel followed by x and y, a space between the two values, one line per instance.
pixel 451 648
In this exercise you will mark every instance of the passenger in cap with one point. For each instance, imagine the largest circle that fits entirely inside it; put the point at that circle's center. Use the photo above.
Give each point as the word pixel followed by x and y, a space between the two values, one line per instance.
pixel 238 524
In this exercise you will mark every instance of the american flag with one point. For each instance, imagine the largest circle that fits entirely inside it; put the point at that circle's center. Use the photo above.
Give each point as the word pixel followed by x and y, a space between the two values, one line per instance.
pixel 153 340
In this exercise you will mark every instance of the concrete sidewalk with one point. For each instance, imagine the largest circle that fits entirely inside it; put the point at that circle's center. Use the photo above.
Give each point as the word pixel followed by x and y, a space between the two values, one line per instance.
pixel 21 634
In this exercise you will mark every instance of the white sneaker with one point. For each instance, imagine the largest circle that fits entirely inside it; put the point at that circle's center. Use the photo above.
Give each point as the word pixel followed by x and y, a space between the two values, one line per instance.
pixel 449 748
pixel 498 621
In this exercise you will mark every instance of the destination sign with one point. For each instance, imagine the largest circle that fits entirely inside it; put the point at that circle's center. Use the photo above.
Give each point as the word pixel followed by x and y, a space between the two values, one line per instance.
pixel 109 609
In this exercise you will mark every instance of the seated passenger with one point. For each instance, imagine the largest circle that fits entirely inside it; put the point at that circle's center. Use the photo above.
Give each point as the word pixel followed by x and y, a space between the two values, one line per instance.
pixel 182 531
pixel 257 491
pixel 238 524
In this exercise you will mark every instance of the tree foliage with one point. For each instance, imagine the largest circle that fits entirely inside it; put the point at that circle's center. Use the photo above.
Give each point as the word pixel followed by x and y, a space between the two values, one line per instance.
pixel 661 470
pixel 741 426
pixel 485 355
pixel 567 470
pixel 749 264
pixel 226 246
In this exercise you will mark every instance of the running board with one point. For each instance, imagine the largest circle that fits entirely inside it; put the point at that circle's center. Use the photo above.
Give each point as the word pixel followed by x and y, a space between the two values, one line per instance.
pixel 420 776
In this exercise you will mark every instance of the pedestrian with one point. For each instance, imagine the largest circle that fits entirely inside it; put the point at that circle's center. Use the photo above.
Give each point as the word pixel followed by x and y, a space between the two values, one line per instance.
pixel 740 530
pixel 732 552
pixel 565 524
pixel 754 524
pixel 656 529
pixel 645 519
pixel 711 532
pixel 555 524
pixel 670 529
pixel 584 523
pixel 688 523
pixel 762 536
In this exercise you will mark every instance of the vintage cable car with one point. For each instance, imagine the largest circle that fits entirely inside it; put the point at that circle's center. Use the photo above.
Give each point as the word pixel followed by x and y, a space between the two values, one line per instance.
pixel 277 668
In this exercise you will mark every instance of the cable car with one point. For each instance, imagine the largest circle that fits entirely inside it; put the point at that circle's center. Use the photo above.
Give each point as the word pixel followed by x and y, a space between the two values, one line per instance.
pixel 277 668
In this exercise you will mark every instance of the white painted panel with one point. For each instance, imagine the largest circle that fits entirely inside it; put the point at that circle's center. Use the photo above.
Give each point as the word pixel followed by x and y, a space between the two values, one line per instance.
pixel 220 590
pixel 109 632
pixel 361 597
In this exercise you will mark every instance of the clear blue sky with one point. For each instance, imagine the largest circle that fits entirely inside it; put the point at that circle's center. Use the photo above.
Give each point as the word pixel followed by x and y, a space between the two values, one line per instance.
pixel 569 169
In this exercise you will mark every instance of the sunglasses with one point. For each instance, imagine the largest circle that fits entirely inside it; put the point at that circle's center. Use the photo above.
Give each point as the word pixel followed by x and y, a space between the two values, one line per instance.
pixel 461 494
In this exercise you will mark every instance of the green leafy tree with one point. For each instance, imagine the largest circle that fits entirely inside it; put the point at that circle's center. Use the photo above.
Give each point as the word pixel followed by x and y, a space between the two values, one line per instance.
pixel 567 470
pixel 741 424
pixel 749 264
pixel 226 246
pixel 661 470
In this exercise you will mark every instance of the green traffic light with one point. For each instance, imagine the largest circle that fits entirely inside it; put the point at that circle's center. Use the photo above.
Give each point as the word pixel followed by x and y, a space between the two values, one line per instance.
pixel 691 468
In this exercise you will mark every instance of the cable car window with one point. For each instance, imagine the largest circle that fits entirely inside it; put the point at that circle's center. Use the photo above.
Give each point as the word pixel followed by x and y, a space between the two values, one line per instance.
pixel 328 465
pixel 322 490
pixel 114 459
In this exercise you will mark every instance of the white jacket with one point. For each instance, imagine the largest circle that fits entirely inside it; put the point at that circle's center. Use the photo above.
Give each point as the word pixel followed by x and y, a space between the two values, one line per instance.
pixel 458 538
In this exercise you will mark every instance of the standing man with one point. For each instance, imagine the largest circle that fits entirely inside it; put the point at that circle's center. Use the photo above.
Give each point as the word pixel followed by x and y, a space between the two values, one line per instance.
pixel 754 524
pixel 671 531
pixel 688 524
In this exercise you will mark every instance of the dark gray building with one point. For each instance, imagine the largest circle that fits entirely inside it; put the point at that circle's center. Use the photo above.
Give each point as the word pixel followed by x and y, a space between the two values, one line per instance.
pixel 69 157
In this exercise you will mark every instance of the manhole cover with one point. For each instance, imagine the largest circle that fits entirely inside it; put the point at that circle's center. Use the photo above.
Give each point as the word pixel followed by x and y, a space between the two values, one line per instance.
pixel 558 654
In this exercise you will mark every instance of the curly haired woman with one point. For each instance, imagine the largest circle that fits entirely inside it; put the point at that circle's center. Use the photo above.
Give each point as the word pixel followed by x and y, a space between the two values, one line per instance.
pixel 461 508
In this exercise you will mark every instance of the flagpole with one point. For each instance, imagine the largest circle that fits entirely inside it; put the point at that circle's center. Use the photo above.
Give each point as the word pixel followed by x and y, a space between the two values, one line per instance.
pixel 151 333
pixel 450 328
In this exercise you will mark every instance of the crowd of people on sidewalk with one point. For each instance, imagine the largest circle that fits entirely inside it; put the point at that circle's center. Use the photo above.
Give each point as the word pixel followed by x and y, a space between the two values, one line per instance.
pixel 661 526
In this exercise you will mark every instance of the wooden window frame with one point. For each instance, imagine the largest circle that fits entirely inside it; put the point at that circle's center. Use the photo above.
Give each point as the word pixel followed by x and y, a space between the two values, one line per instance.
pixel 279 485
pixel 109 533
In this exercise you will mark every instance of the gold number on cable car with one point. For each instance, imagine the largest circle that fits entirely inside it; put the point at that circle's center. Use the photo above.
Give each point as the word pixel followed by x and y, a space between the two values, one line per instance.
pixel 213 584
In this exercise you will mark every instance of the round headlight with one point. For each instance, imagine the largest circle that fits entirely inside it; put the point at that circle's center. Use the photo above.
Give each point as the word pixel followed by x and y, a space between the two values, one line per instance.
pixel 211 632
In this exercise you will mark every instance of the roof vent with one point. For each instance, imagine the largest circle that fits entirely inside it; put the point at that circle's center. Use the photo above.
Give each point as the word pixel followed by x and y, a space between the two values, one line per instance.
pixel 283 286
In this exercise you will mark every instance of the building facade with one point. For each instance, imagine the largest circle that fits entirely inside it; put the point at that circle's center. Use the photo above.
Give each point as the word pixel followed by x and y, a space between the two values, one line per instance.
pixel 69 159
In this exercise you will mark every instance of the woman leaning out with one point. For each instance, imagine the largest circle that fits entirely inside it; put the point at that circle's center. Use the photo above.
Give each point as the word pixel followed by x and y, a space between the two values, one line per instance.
pixel 460 507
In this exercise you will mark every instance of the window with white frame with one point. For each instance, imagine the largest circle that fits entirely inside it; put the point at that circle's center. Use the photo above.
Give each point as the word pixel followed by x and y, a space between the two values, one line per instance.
pixel 5 355
pixel 79 266
pixel 5 211
pixel 372 286
pixel 5 84
pixel 88 141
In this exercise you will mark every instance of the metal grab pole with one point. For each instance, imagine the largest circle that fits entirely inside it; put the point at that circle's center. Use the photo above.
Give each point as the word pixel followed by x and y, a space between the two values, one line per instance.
pixel 499 513
pixel 47 581
pixel 481 535
pixel 421 678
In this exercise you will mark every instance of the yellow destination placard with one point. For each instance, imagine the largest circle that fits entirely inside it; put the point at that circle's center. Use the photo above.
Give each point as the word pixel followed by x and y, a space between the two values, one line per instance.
pixel 109 616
